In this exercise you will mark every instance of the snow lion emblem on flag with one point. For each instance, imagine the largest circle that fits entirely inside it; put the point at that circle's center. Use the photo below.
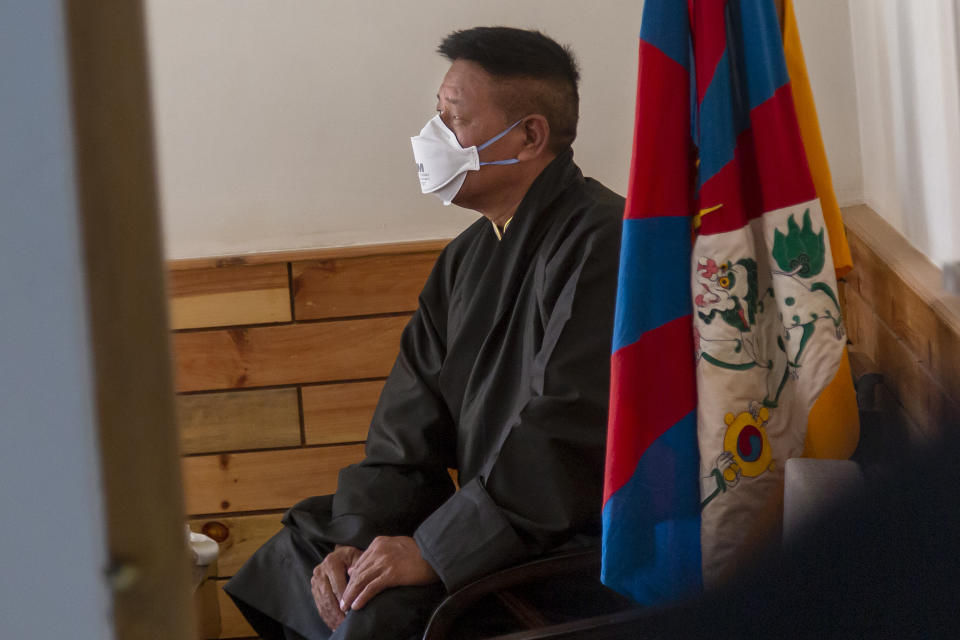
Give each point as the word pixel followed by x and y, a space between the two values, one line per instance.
pixel 741 327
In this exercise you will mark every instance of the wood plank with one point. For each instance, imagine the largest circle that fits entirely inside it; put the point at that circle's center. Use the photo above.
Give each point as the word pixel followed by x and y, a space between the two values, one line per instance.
pixel 232 622
pixel 359 286
pixel 339 412
pixel 227 309
pixel 231 295
pixel 260 419
pixel 237 536
pixel 262 480
pixel 286 354
pixel 229 279
pixel 319 253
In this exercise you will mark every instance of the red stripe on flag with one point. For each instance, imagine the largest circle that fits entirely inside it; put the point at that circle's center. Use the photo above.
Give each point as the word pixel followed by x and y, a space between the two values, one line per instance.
pixel 736 187
pixel 661 177
pixel 710 26
pixel 768 171
pixel 781 159
pixel 652 386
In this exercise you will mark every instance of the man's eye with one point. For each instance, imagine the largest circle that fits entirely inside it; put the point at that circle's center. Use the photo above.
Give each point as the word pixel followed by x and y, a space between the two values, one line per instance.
pixel 450 119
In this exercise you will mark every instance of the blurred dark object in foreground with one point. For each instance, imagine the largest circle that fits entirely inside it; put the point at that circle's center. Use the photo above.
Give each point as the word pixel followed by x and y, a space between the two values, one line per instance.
pixel 883 563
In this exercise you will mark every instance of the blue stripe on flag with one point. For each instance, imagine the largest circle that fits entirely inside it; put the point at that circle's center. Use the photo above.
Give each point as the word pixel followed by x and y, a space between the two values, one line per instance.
pixel 754 24
pixel 665 25
pixel 651 526
pixel 654 285
pixel 747 75
pixel 721 120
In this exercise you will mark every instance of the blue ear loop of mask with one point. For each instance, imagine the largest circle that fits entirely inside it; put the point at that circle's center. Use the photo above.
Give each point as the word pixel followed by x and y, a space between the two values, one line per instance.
pixel 494 139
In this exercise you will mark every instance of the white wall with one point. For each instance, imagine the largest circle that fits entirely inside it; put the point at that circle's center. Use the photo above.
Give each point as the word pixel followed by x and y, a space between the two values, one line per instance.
pixel 908 88
pixel 825 34
pixel 53 549
pixel 286 125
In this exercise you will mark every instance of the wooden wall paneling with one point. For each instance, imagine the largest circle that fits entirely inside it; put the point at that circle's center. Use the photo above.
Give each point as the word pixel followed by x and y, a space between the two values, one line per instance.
pixel 262 480
pixel 286 354
pixel 339 412
pixel 904 289
pixel 359 286
pixel 232 295
pixel 237 536
pixel 232 622
pixel 899 306
pixel 907 313
pixel 258 419
pixel 923 397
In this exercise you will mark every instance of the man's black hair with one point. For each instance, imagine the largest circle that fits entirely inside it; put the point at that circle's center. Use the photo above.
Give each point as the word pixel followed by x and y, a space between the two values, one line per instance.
pixel 510 53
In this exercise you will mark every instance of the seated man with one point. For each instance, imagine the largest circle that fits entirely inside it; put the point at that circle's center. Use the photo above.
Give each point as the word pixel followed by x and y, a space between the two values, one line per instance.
pixel 503 371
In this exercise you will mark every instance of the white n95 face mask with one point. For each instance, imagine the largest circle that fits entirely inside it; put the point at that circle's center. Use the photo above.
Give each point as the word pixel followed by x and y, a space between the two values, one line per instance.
pixel 443 164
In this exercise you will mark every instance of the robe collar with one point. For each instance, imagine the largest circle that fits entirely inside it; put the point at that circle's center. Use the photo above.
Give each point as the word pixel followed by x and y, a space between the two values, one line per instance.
pixel 552 181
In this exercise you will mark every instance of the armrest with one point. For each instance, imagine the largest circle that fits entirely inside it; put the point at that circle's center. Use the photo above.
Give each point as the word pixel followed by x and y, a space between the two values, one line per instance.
pixel 557 564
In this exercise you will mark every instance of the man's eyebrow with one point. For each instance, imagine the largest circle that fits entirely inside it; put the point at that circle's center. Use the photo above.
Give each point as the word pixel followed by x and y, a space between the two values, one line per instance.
pixel 450 100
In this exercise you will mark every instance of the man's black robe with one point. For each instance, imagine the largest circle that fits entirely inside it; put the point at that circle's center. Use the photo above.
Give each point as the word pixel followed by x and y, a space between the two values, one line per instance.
pixel 503 375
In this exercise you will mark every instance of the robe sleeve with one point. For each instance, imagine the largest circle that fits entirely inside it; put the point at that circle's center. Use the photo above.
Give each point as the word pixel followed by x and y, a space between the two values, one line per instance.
pixel 545 483
pixel 410 444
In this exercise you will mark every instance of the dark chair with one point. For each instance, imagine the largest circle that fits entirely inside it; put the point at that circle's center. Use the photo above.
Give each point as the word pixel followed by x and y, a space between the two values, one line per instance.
pixel 505 587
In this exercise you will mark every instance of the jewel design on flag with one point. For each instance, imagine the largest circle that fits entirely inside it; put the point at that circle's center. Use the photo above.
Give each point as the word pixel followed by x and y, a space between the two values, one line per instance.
pixel 746 451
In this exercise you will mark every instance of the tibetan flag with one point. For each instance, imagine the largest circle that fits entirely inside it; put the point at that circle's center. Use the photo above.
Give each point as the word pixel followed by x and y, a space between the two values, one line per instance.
pixel 728 324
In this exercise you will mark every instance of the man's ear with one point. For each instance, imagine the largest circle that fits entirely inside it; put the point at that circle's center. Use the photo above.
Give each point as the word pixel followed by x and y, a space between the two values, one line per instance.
pixel 536 137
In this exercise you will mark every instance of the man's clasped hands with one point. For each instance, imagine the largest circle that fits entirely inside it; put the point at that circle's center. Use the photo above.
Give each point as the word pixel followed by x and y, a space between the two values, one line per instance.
pixel 348 578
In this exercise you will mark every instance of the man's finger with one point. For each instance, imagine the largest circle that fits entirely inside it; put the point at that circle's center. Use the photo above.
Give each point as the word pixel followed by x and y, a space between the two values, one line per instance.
pixel 336 577
pixel 351 592
pixel 327 605
pixel 356 568
pixel 367 563
pixel 332 615
pixel 357 582
pixel 363 561
pixel 316 587
pixel 374 587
